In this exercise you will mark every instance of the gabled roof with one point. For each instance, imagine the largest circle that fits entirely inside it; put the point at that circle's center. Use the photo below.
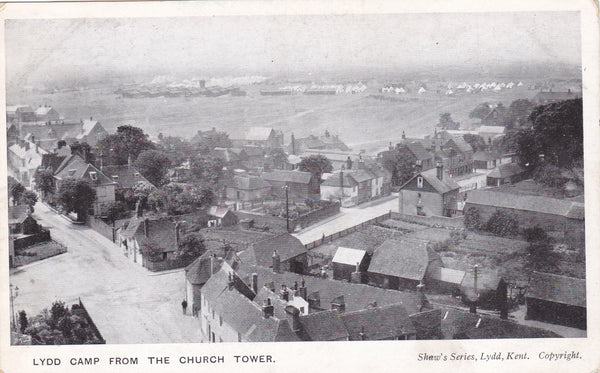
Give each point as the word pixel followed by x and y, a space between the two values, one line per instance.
pixel 378 323
pixel 324 326
pixel 346 255
pixel 506 170
pixel 87 127
pixel 441 186
pixel 43 110
pixel 417 149
pixel 199 271
pixel 258 133
pixel 218 211
pixel 546 205
pixel 461 144
pixel 17 214
pixel 75 167
pixel 405 259
pixel 335 180
pixel 299 177
pixel 161 233
pixel 124 175
pixel 249 183
pixel 558 289
pixel 361 175
pixel 286 245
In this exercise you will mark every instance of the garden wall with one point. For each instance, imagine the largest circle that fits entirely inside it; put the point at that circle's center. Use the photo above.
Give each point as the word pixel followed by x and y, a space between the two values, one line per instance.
pixel 33 239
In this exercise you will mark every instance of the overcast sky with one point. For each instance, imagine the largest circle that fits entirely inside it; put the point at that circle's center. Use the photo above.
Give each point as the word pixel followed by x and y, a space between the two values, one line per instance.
pixel 290 43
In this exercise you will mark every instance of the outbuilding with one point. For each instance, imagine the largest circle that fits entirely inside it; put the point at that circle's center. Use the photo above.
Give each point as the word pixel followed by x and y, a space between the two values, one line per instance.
pixel 347 261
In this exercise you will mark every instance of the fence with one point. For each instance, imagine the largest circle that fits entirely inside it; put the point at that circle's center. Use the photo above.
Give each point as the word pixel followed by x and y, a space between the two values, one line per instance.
pixel 431 221
pixel 91 322
pixel 314 216
pixel 101 227
pixel 347 231
pixel 23 242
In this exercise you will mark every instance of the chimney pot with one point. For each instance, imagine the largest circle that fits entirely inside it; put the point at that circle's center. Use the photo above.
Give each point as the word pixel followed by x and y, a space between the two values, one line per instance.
pixel 255 283
pixel 439 170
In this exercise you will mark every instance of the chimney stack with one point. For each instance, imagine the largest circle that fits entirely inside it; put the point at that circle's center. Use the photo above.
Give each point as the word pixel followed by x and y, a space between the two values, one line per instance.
pixel 293 315
pixel 285 294
pixel 403 135
pixel 255 283
pixel 314 300
pixel 177 232
pixel 356 276
pixel 439 167
pixel 276 262
pixel 302 290
pixel 423 302
pixel 146 221
pixel 267 309
pixel 338 304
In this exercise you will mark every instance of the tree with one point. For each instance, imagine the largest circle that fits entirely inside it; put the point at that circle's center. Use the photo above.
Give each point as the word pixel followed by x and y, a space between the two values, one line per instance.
pixel 549 175
pixel 23 322
pixel 536 234
pixel 477 142
pixel 191 246
pixel 447 123
pixel 206 141
pixel 175 148
pixel 473 219
pixel 116 210
pixel 528 148
pixel 29 198
pixel 518 113
pixel 316 164
pixel 502 224
pixel 206 169
pixel 76 196
pixel 541 257
pixel 44 181
pixel 140 193
pixel 126 144
pixel 400 164
pixel 154 165
pixel 158 200
pixel 480 111
pixel 15 189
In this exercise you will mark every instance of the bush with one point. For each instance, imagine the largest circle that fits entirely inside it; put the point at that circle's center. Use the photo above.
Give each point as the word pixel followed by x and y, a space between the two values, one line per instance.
pixel 473 219
pixel 536 234
pixel 502 224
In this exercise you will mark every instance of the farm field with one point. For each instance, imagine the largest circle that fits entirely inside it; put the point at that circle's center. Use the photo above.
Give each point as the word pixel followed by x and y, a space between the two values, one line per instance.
pixel 363 122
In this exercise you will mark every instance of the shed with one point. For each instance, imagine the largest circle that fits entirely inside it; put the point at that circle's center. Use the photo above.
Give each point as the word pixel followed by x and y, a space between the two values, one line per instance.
pixel 346 261
pixel 221 216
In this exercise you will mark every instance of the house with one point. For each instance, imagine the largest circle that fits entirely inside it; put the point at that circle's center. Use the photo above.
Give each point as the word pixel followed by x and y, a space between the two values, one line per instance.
pixel 196 275
pixel 354 186
pixel 508 173
pixel 147 241
pixel 248 188
pixel 429 193
pixel 20 220
pixel 340 186
pixel 282 252
pixel 491 132
pixel 496 116
pixel 20 114
pixel 299 184
pixel 557 299
pixel 221 216
pixel 325 142
pixel 486 160
pixel 74 167
pixel 350 264
pixel 455 154
pixel 262 137
pixel 126 177
pixel 543 98
pixel 403 264
pixel 339 159
pixel 390 322
pixel 46 114
pixel 89 131
pixel 24 158
pixel 562 219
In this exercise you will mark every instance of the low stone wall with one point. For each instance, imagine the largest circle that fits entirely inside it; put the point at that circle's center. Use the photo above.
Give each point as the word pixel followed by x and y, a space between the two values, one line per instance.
pixel 166 265
pixel 101 227
pixel 431 221
pixel 33 239
pixel 312 217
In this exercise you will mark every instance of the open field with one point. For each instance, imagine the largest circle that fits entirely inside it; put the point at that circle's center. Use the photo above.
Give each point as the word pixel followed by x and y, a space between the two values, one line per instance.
pixel 363 122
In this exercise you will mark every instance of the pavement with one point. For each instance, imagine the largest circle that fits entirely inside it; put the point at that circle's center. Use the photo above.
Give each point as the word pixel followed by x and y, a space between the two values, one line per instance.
pixel 128 303
pixel 348 217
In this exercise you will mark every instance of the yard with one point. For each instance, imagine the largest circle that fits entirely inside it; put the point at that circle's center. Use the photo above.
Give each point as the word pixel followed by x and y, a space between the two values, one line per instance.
pixel 37 252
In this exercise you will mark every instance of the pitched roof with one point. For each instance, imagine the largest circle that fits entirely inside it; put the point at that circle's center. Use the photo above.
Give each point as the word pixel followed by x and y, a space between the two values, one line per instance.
pixel 378 323
pixel 557 288
pixel 126 176
pixel 218 211
pixel 199 271
pixel 441 186
pixel 225 154
pixel 287 247
pixel 540 204
pixel 258 133
pixel 361 175
pixel 417 149
pixel 486 156
pixel 506 170
pixel 87 127
pixel 300 177
pixel 336 181
pixel 161 233
pixel 17 214
pixel 406 259
pixel 448 275
pixel 492 129
pixel 324 326
pixel 346 255
pixel 43 110
pixel 461 144
pixel 76 168
pixel 249 183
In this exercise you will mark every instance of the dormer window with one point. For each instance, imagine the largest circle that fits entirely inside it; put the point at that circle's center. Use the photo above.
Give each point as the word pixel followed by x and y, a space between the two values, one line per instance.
pixel 137 174
pixel 72 172
pixel 93 176
pixel 115 177
pixel 420 182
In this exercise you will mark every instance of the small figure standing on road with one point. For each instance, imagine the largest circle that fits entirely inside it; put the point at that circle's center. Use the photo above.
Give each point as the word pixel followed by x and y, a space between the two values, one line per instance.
pixel 184 305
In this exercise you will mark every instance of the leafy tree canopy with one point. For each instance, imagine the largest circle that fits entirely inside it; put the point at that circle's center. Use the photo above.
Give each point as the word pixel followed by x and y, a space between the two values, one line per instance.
pixel 480 111
pixel 154 165
pixel 477 142
pixel 316 164
pixel 129 141
pixel 76 196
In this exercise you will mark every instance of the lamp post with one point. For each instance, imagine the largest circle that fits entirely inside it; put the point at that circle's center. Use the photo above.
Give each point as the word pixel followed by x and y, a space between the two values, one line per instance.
pixel 14 291
pixel 287 207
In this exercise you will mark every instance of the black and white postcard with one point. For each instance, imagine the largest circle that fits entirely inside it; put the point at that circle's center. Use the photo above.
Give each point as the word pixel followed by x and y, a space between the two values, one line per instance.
pixel 293 186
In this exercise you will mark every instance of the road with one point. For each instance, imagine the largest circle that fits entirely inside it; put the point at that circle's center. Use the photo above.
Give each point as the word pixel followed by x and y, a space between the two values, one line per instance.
pixel 348 217
pixel 128 303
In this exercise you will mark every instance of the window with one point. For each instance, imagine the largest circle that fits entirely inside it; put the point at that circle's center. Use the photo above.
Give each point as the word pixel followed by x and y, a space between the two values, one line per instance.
pixel 420 182
pixel 239 337
pixel 93 175
pixel 220 320
pixel 213 313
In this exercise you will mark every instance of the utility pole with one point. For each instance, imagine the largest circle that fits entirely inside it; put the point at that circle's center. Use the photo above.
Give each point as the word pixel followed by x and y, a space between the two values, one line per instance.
pixel 287 207
pixel 14 291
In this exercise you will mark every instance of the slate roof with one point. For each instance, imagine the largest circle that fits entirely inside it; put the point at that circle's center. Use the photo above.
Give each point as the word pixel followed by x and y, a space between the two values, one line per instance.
pixel 198 272
pixel 417 149
pixel 126 176
pixel 405 259
pixel 258 133
pixel 378 323
pixel 506 170
pixel 249 183
pixel 161 233
pixel 335 180
pixel 299 177
pixel 346 255
pixel 324 326
pixel 441 186
pixel 486 156
pixel 218 211
pixel 17 214
pixel 540 204
pixel 287 246
pixel 559 289
pixel 76 168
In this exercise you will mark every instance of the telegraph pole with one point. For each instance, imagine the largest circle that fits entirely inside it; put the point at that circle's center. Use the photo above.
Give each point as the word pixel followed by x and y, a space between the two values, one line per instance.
pixel 13 295
pixel 287 207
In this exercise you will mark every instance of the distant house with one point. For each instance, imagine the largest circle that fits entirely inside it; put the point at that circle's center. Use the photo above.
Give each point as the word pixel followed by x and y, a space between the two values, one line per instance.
pixel 543 98
pixel 339 159
pixel 299 184
pixel 20 114
pixel 562 219
pixel 403 264
pixel 557 299
pixel 486 160
pixel 90 131
pixel 146 240
pixel 126 177
pixel 219 216
pixel 357 185
pixel 491 132
pixel 74 167
pixel 429 193
pixel 20 220
pixel 347 261
pixel 24 158
pixel 283 252
pixel 248 188
pixel 262 137
pixel 325 142
pixel 46 114
pixel 495 117
pixel 232 158
pixel 456 155
pixel 508 173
